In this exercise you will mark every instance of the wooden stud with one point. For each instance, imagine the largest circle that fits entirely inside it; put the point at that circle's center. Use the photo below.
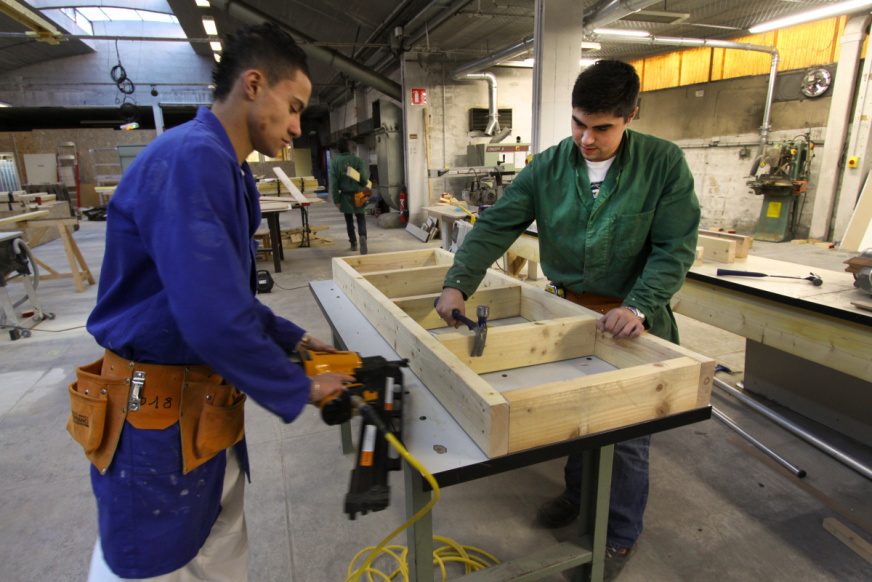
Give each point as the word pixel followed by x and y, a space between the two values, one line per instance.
pixel 743 243
pixel 717 249
pixel 406 282
pixel 504 302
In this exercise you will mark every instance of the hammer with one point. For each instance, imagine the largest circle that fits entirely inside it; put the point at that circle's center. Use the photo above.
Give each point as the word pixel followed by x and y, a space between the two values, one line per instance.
pixel 480 328
pixel 815 279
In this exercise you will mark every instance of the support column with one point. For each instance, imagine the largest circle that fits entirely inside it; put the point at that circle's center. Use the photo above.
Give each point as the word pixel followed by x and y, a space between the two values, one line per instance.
pixel 837 123
pixel 559 32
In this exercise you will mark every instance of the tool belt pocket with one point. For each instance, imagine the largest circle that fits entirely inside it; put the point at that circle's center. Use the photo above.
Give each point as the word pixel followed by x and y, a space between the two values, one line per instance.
pixel 87 418
pixel 97 412
pixel 211 419
pixel 360 199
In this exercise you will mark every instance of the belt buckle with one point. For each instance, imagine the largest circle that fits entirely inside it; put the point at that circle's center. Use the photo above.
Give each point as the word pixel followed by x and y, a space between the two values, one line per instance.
pixel 136 386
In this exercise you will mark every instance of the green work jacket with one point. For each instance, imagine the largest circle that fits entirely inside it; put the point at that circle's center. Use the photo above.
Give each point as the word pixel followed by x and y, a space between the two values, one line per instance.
pixel 343 188
pixel 635 241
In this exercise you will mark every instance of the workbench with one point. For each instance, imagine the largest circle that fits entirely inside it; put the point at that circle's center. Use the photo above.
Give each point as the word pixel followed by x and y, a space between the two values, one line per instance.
pixel 433 436
pixel 807 348
pixel 270 212
pixel 446 214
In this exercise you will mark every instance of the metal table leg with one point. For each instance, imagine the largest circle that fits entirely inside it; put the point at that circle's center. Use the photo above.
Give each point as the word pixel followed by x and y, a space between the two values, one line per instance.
pixel 304 214
pixel 419 535
pixel 596 482
pixel 272 220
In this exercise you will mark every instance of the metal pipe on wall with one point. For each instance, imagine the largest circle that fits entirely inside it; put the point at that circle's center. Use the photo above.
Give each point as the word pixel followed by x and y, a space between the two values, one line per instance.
pixel 494 59
pixel 726 44
pixel 493 121
pixel 249 15
pixel 796 430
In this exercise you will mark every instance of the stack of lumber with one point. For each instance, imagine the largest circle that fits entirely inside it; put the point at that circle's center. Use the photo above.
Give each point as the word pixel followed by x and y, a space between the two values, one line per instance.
pixel 723 247
pixel 813 241
pixel 426 231
pixel 293 237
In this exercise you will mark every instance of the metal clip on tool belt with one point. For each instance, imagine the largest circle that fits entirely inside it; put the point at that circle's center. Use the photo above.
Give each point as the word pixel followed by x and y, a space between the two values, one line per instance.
pixel 599 303
pixel 113 390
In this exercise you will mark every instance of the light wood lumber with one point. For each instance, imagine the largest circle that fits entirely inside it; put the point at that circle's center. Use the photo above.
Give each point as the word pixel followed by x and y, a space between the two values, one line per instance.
pixel 537 304
pixel 717 249
pixel 525 344
pixel 503 302
pixel 480 410
pixel 829 341
pixel 352 173
pixel 23 217
pixel 627 353
pixel 406 282
pixel 392 261
pixel 743 243
pixel 861 220
pixel 292 188
pixel 589 404
pixel 848 537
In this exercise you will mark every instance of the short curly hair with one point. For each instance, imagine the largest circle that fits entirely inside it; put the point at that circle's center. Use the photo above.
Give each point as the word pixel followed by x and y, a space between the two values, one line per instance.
pixel 607 87
pixel 264 47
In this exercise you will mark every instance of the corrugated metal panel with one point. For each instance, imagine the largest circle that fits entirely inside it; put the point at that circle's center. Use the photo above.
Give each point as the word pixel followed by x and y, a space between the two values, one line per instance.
pixel 741 63
pixel 806 45
pixel 661 72
pixel 695 66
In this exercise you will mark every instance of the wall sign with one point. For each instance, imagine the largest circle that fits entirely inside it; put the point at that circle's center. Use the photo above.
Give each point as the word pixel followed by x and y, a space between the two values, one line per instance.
pixel 419 96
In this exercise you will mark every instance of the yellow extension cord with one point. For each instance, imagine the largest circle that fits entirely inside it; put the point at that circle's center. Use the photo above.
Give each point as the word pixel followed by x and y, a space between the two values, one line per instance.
pixel 451 552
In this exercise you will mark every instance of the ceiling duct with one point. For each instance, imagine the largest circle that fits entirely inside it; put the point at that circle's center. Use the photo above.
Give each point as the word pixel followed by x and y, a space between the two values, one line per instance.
pixel 609 11
pixel 249 15
pixel 504 55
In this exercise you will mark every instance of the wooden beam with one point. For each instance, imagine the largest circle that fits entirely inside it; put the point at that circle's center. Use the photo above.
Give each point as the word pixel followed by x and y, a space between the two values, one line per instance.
pixel 22 217
pixel 829 341
pixel 291 187
pixel 406 282
pixel 626 353
pixel 743 243
pixel 504 302
pixel 589 404
pixel 525 344
pixel 478 407
pixel 392 261
pixel 717 249
pixel 536 304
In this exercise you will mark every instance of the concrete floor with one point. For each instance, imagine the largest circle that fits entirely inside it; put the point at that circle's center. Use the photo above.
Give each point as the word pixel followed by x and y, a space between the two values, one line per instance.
pixel 716 511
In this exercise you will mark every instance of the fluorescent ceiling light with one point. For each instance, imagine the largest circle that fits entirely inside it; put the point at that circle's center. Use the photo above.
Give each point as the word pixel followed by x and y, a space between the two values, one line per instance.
pixel 216 46
pixel 621 32
pixel 209 26
pixel 202 3
pixel 217 57
pixel 5 104
pixel 819 14
pixel 591 46
pixel 586 62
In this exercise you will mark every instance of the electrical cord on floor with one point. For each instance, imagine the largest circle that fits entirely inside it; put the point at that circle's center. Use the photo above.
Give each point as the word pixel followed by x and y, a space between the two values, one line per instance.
pixel 291 288
pixel 20 328
pixel 451 552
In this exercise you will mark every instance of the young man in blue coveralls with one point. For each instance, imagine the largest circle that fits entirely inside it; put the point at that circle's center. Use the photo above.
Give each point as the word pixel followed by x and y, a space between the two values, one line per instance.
pixel 617 218
pixel 185 338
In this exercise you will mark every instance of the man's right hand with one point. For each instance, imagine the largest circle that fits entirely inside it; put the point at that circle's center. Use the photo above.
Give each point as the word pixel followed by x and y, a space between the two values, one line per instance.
pixel 328 384
pixel 450 300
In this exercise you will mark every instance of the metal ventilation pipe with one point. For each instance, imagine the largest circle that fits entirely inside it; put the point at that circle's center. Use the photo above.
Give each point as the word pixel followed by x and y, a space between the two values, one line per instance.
pixel 611 10
pixel 494 59
pixel 726 44
pixel 249 15
pixel 493 122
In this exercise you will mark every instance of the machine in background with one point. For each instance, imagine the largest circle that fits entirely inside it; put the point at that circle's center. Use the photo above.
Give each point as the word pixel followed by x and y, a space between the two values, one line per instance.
pixel 16 261
pixel 783 188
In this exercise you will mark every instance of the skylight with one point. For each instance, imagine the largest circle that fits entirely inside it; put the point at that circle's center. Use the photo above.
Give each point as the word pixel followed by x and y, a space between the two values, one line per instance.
pixel 106 13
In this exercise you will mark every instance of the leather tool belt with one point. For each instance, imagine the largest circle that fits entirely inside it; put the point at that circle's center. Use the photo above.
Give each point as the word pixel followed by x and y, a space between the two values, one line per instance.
pixel 599 303
pixel 113 390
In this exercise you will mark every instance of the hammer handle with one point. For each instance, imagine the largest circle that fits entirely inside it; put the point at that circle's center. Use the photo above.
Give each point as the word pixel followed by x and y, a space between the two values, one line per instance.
pixel 728 272
pixel 459 317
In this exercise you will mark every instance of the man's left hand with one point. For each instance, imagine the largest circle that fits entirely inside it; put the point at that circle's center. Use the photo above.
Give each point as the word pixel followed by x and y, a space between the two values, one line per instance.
pixel 621 323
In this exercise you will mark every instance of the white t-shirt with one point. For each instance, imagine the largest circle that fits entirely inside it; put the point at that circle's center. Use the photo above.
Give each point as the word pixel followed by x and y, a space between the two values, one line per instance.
pixel 597 171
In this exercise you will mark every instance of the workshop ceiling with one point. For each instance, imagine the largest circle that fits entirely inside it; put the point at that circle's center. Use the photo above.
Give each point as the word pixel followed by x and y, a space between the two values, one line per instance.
pixel 460 31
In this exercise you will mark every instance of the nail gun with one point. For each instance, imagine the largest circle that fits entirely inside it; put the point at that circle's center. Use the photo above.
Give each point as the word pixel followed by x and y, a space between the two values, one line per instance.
pixel 380 386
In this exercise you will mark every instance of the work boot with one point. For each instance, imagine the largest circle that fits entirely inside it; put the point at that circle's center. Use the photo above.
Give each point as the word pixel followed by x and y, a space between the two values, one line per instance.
pixel 558 512
pixel 353 245
pixel 363 249
pixel 615 561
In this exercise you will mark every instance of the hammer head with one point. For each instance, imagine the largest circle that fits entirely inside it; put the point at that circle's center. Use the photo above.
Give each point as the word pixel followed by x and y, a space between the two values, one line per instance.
pixel 483 311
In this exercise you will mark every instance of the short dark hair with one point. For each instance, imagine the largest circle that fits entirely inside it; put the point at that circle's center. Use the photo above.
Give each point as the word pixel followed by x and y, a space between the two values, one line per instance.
pixel 607 87
pixel 342 145
pixel 264 47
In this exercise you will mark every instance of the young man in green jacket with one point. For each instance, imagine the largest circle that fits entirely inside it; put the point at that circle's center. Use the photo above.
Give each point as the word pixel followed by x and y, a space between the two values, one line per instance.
pixel 617 218
pixel 343 189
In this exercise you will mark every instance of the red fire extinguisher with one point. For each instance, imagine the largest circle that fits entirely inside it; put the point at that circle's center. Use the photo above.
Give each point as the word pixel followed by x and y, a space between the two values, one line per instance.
pixel 404 211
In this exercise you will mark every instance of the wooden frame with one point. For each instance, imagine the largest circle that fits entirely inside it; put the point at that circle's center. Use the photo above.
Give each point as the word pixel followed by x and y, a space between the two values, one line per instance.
pixel 396 291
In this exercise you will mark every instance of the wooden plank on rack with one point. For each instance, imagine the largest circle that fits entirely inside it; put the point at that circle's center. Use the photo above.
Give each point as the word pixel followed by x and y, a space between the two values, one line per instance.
pixel 295 192
pixel 589 404
pixel 717 249
pixel 23 217
pixel 525 344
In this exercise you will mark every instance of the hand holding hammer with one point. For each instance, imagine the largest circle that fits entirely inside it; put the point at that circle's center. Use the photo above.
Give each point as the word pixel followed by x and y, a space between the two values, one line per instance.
pixel 480 327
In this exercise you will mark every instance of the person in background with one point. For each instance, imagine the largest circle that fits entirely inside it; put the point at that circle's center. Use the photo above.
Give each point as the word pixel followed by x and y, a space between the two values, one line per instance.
pixel 160 415
pixel 344 189
pixel 617 217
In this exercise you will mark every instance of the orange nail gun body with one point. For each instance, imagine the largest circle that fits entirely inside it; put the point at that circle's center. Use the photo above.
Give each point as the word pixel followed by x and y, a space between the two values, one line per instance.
pixel 380 385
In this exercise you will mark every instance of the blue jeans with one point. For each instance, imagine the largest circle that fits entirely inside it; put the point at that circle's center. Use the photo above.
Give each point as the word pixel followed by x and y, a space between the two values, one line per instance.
pixel 349 226
pixel 629 491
